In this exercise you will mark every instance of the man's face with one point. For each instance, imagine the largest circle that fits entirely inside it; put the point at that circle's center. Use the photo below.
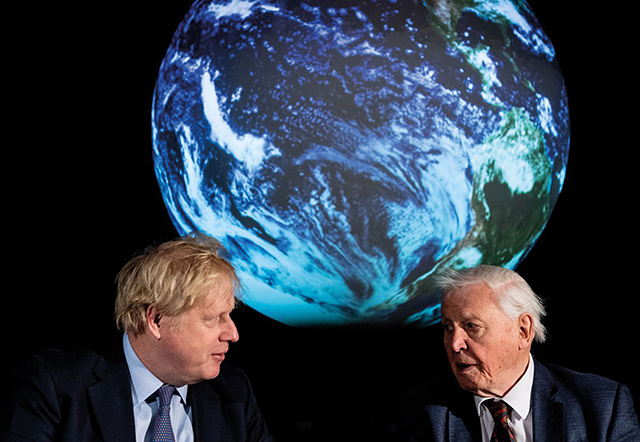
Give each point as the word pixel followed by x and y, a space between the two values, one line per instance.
pixel 485 348
pixel 194 343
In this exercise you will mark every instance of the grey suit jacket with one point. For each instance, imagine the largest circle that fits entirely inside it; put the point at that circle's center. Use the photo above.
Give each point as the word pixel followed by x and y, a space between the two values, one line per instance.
pixel 77 395
pixel 567 406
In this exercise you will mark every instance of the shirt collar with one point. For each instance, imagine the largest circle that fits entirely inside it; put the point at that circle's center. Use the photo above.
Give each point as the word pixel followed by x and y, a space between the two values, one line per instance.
pixel 143 382
pixel 518 398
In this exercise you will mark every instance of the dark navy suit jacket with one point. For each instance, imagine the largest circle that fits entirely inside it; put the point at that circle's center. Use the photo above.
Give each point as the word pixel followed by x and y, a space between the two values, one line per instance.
pixel 79 396
pixel 567 406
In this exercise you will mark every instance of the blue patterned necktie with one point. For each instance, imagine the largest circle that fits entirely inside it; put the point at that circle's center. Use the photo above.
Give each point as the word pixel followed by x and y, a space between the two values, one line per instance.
pixel 162 431
pixel 502 432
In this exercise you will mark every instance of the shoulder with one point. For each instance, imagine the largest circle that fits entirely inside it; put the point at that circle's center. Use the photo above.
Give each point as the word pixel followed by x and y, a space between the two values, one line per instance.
pixel 591 403
pixel 569 376
pixel 67 357
pixel 64 363
pixel 583 391
pixel 579 385
pixel 62 371
pixel 48 389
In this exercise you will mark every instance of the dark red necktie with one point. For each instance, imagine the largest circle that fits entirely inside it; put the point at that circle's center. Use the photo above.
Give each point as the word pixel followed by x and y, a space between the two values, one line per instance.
pixel 502 432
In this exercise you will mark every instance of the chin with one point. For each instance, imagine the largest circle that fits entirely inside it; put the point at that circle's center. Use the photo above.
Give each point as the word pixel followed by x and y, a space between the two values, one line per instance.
pixel 204 374
pixel 469 384
pixel 212 372
pixel 466 385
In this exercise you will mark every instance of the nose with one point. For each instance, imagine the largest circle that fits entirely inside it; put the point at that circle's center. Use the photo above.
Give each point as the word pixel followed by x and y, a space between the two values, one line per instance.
pixel 457 340
pixel 230 332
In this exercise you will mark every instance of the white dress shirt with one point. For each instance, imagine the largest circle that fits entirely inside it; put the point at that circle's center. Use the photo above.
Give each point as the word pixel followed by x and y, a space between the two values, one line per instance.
pixel 519 399
pixel 144 386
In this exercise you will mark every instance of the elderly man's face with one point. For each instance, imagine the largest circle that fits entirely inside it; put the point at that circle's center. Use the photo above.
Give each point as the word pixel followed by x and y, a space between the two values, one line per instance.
pixel 487 350
pixel 194 343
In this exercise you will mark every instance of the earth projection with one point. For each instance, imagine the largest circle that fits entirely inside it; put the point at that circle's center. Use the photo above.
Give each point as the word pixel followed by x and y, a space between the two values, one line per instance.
pixel 346 151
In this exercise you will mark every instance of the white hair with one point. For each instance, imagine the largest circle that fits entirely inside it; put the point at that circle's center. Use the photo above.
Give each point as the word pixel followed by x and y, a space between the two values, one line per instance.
pixel 514 295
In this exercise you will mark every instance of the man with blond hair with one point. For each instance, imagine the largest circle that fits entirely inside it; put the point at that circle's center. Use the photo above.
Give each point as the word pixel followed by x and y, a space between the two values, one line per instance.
pixel 173 304
pixel 498 391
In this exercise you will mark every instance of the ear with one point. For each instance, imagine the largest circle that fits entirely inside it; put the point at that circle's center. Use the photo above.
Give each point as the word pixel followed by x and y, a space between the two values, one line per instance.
pixel 153 321
pixel 525 330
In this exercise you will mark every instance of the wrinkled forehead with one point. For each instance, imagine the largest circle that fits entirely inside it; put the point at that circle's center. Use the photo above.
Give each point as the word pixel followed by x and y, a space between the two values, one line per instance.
pixel 468 300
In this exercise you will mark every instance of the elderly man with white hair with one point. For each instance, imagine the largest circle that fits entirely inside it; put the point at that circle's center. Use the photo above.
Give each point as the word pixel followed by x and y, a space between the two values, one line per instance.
pixel 498 391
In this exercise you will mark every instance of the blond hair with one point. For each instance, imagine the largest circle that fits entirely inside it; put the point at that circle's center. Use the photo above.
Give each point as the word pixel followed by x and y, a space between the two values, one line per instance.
pixel 173 277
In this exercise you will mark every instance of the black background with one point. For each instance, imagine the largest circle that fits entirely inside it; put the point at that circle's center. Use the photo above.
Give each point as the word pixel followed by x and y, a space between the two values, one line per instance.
pixel 81 198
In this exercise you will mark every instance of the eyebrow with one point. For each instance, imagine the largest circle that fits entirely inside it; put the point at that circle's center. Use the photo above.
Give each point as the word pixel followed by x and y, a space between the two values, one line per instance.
pixel 469 318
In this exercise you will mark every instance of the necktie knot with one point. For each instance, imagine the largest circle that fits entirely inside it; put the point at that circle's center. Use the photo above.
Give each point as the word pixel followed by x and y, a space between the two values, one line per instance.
pixel 500 411
pixel 165 394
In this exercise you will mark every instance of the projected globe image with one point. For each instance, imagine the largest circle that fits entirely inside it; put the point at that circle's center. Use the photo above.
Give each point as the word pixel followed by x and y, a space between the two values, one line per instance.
pixel 344 152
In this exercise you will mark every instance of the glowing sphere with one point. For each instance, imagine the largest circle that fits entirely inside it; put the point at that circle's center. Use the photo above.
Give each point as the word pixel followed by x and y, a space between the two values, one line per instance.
pixel 345 151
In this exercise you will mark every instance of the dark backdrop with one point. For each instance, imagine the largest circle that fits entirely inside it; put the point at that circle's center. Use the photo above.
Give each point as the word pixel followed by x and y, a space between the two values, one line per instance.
pixel 81 198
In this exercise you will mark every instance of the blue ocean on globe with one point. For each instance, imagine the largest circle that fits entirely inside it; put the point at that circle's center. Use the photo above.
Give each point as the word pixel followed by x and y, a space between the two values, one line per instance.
pixel 344 152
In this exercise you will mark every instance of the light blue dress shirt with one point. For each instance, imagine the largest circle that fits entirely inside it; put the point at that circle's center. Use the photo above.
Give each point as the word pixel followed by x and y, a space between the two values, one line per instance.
pixel 144 386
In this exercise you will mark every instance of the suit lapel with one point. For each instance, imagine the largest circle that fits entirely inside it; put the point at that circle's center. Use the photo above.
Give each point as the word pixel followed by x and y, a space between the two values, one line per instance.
pixel 548 409
pixel 110 399
pixel 208 422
